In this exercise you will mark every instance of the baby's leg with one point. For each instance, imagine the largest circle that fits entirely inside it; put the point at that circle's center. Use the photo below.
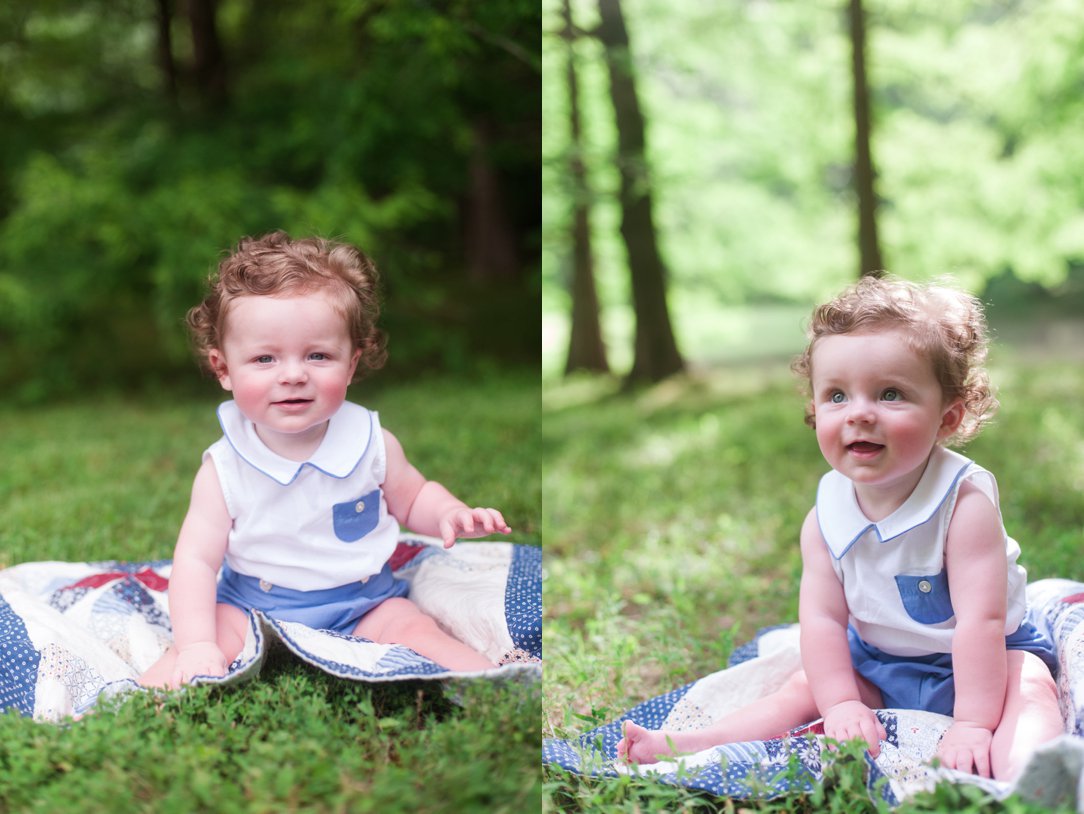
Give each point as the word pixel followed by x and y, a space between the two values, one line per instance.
pixel 790 706
pixel 400 621
pixel 231 625
pixel 1030 718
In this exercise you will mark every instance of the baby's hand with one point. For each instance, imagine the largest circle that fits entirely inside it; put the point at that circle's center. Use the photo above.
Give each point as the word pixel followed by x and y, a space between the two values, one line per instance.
pixel 849 720
pixel 199 659
pixel 477 522
pixel 965 745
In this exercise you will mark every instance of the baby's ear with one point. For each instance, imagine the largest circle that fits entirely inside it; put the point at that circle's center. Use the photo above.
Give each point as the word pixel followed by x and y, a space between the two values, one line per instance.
pixel 951 419
pixel 217 362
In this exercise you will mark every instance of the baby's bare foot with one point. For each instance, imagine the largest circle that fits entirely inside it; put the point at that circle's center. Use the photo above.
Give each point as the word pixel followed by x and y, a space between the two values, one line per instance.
pixel 642 745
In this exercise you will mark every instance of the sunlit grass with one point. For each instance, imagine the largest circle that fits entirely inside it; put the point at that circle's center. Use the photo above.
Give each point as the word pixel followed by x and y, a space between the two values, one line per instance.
pixel 671 519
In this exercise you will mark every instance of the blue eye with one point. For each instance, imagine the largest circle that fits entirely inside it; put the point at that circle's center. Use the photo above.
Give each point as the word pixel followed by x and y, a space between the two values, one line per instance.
pixel 837 397
pixel 891 394
pixel 318 357
pixel 266 359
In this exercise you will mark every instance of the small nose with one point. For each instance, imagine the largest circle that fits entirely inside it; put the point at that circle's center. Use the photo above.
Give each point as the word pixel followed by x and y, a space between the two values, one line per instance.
pixel 292 371
pixel 861 411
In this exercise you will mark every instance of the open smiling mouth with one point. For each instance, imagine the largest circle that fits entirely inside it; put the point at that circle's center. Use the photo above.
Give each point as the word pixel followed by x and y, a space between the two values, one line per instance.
pixel 865 447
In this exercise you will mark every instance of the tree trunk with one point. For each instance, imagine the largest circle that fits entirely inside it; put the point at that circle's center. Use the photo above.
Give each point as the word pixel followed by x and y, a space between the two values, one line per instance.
pixel 490 240
pixel 869 249
pixel 656 354
pixel 586 349
pixel 166 63
pixel 208 65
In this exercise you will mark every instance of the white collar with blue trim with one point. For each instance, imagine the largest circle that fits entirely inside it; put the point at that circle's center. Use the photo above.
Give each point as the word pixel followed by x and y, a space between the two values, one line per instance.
pixel 844 524
pixel 349 434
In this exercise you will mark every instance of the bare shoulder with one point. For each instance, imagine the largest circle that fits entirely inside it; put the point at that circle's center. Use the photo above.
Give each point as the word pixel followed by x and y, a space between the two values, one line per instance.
pixel 972 503
pixel 975 526
pixel 206 482
pixel 389 438
pixel 393 452
pixel 811 537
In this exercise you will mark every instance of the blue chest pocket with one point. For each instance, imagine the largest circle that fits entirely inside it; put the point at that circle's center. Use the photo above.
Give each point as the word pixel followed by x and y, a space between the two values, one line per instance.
pixel 356 518
pixel 926 598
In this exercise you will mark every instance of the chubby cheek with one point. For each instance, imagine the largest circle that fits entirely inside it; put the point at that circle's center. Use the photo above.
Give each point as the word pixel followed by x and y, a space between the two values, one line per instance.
pixel 828 437
pixel 247 392
pixel 333 387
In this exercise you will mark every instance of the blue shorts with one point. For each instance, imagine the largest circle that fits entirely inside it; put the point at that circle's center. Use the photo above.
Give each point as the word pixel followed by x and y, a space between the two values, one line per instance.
pixel 338 609
pixel 925 682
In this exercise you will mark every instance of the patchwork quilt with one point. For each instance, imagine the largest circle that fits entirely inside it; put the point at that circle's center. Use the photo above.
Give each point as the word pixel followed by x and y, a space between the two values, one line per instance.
pixel 72 633
pixel 795 761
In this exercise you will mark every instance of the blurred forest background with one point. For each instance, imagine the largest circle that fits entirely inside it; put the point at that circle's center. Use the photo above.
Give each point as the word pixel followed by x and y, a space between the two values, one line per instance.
pixel 142 138
pixel 753 179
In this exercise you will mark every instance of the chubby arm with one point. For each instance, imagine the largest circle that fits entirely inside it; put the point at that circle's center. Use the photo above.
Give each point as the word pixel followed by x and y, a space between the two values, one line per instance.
pixel 977 575
pixel 826 656
pixel 201 545
pixel 426 507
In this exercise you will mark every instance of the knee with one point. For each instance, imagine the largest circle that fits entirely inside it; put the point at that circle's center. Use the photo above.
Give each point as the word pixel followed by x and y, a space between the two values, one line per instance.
pixel 1036 682
pixel 405 622
pixel 797 682
pixel 797 686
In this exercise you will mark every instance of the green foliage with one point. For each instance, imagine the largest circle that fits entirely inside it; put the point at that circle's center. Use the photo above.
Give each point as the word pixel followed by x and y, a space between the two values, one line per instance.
pixel 342 119
pixel 108 478
pixel 976 117
pixel 671 519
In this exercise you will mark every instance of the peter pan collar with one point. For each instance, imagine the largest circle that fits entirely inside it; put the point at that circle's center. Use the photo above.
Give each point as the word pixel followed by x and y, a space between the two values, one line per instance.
pixel 348 436
pixel 843 524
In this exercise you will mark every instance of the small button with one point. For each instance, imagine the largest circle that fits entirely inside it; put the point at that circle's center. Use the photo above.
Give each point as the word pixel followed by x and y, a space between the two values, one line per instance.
pixel 265 586
pixel 359 507
pixel 925 586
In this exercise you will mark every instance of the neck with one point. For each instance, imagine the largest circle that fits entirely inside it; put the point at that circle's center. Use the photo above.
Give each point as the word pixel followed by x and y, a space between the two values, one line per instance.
pixel 294 446
pixel 878 501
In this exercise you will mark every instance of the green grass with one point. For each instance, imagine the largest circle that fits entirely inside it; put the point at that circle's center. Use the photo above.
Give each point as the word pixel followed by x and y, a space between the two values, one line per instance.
pixel 671 519
pixel 109 479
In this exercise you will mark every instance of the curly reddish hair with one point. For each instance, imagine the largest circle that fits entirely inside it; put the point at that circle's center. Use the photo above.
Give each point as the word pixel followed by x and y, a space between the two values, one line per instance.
pixel 276 265
pixel 942 323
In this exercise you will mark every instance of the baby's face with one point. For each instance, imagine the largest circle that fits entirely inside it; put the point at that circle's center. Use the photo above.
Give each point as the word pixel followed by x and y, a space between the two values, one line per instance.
pixel 879 408
pixel 287 360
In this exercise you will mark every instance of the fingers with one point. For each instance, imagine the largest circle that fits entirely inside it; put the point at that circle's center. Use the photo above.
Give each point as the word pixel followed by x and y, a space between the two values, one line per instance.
pixel 447 533
pixel 476 522
pixel 857 732
pixel 857 723
pixel 965 760
pixel 872 733
pixel 966 747
pixel 982 764
pixel 498 521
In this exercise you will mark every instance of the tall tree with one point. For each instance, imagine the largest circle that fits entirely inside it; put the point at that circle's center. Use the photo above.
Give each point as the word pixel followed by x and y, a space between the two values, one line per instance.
pixel 869 248
pixel 656 354
pixel 208 61
pixel 166 63
pixel 490 242
pixel 586 350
